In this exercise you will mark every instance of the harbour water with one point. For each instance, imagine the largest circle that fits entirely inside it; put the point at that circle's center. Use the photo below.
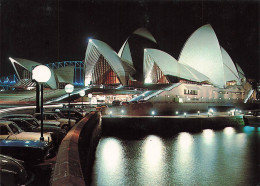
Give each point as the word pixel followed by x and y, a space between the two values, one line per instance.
pixel 228 156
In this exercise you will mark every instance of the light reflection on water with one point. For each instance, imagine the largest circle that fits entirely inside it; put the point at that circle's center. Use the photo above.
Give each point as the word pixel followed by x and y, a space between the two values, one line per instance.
pixel 226 157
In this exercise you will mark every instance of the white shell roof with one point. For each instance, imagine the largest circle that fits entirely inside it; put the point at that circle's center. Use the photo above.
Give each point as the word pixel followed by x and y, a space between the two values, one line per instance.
pixel 202 52
pixel 92 56
pixel 170 66
pixel 240 72
pixel 65 74
pixel 143 32
pixel 230 70
pixel 125 53
pixel 28 64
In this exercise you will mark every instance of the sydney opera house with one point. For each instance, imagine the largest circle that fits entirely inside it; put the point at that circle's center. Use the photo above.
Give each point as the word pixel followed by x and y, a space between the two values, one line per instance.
pixel 203 72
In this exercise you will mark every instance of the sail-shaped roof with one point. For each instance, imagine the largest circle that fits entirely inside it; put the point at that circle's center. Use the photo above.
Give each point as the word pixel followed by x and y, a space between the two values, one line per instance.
pixel 28 65
pixel 132 50
pixel 240 72
pixel 230 70
pixel 202 52
pixel 97 48
pixel 170 66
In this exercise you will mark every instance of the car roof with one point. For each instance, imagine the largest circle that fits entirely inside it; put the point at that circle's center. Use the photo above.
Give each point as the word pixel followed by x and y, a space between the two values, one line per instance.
pixel 16 115
pixel 47 113
pixel 5 122
pixel 23 143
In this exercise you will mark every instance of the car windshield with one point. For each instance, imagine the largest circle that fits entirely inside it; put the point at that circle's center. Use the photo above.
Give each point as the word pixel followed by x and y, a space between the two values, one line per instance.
pixel 56 116
pixel 35 123
pixel 15 129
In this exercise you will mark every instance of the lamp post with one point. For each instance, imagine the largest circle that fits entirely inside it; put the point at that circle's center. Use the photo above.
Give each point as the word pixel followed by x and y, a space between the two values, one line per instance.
pixel 69 89
pixel 41 74
pixel 82 94
pixel 90 97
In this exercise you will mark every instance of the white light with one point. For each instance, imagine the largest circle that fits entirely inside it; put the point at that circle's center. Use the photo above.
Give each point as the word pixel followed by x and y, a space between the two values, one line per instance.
pixel 211 110
pixel 82 93
pixel 153 112
pixel 148 80
pixel 112 156
pixel 110 112
pixel 153 152
pixel 90 40
pixel 208 136
pixel 122 111
pixel 229 131
pixel 11 59
pixel 177 112
pixel 89 95
pixel 69 88
pixel 41 73
pixel 185 113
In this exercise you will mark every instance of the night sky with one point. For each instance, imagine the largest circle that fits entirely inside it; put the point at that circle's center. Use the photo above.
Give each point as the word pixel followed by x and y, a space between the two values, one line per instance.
pixel 58 30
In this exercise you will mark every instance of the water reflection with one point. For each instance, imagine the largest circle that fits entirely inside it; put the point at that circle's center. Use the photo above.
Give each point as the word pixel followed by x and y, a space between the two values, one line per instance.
pixel 226 157
pixel 152 152
pixel 111 164
pixel 208 136
pixel 229 131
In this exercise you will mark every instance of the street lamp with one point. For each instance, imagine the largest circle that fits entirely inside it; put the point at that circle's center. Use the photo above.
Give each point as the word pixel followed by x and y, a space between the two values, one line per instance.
pixel 153 113
pixel 41 74
pixel 90 97
pixel 69 89
pixel 82 94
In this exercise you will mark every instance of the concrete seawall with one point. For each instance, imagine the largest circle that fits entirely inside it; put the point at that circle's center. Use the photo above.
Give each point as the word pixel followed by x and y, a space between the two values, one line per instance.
pixel 83 138
pixel 163 126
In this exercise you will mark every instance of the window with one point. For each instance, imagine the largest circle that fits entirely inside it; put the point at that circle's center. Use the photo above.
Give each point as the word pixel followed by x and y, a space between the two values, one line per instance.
pixel 50 117
pixel 13 128
pixel 190 92
pixel 38 116
pixel 4 130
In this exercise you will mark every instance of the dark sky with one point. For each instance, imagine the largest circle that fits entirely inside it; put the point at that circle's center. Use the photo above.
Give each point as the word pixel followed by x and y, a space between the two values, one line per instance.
pixel 56 30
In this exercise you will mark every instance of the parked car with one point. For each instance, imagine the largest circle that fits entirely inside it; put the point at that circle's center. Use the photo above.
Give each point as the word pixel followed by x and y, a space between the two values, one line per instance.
pixel 9 130
pixel 18 116
pixel 12 171
pixel 252 118
pixel 57 134
pixel 74 114
pixel 30 151
pixel 116 103
pixel 125 103
pixel 64 123
pixel 56 112
pixel 56 123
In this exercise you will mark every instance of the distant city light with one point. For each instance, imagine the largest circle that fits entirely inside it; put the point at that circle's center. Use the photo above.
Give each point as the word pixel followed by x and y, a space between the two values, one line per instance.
pixel 185 114
pixel 153 112
pixel 122 111
pixel 176 112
